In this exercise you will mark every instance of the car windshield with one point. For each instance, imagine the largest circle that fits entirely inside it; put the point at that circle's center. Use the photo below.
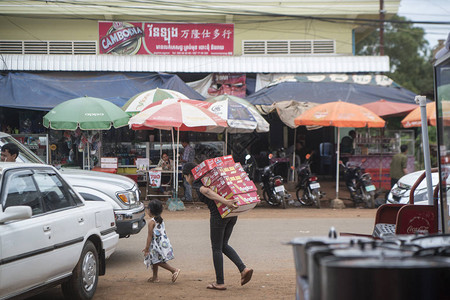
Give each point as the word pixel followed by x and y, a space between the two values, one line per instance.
pixel 25 155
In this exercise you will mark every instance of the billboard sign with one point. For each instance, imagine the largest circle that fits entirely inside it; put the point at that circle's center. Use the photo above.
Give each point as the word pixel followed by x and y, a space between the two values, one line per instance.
pixel 130 38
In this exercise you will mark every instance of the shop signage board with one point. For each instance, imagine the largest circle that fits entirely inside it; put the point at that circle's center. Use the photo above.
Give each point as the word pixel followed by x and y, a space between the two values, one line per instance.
pixel 130 38
pixel 154 178
pixel 108 162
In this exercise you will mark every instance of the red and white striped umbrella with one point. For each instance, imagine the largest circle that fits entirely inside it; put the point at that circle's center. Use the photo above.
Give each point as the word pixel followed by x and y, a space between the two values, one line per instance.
pixel 180 114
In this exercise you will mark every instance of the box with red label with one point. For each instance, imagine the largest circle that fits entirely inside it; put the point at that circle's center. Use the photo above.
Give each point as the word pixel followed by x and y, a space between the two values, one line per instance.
pixel 207 165
pixel 229 186
pixel 245 202
pixel 231 170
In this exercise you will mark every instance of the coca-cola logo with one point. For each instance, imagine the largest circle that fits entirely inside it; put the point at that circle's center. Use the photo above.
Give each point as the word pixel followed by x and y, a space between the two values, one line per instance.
pixel 122 38
pixel 418 224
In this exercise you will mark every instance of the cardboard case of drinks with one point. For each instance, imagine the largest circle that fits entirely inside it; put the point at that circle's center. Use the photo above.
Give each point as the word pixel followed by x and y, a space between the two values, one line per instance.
pixel 228 179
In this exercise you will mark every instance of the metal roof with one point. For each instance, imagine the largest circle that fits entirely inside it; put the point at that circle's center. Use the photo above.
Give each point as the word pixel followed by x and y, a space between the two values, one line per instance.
pixel 196 64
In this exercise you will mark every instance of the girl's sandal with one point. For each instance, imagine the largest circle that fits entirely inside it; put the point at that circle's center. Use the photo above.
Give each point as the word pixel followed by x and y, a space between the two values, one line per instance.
pixel 175 275
pixel 152 280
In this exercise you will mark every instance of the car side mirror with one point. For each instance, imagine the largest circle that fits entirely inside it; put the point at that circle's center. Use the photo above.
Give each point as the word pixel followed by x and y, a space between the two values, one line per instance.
pixel 13 213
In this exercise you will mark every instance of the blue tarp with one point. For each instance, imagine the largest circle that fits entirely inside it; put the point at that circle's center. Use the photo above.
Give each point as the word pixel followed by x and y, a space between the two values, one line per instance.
pixel 43 91
pixel 328 91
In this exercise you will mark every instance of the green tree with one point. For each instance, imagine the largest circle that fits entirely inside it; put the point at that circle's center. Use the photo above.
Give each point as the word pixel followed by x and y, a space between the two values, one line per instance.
pixel 409 55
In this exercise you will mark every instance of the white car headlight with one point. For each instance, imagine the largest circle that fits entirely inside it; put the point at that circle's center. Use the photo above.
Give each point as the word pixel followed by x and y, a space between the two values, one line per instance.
pixel 127 197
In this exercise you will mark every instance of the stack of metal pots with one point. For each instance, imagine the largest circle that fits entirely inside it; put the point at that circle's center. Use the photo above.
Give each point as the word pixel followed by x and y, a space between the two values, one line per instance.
pixel 347 267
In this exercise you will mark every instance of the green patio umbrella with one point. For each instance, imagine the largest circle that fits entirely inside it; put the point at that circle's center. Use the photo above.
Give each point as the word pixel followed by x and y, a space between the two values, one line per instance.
pixel 86 113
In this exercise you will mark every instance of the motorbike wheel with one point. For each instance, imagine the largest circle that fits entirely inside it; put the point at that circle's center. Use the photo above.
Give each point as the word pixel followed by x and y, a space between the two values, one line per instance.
pixel 368 198
pixel 303 198
pixel 270 199
pixel 283 202
pixel 316 197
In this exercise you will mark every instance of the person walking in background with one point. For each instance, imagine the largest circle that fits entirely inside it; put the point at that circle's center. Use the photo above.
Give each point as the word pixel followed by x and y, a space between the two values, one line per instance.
pixel 188 157
pixel 398 165
pixel 220 231
pixel 9 152
pixel 158 249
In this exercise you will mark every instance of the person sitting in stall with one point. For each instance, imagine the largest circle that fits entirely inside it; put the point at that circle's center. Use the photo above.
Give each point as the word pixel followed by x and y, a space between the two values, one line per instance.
pixel 165 163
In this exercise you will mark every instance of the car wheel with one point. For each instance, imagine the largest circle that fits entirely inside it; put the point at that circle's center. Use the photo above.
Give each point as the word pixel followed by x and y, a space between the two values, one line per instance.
pixel 83 282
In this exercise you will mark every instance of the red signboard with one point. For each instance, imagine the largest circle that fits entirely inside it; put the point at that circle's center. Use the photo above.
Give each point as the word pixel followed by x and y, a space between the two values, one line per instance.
pixel 129 38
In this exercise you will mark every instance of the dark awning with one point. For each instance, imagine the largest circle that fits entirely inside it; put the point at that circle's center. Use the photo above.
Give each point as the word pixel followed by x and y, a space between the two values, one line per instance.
pixel 43 91
pixel 300 88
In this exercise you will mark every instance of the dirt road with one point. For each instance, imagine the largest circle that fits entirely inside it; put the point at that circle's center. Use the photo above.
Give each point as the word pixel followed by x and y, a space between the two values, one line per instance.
pixel 258 238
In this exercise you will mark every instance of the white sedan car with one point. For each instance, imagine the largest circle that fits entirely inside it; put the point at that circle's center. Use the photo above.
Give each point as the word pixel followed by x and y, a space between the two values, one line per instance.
pixel 49 234
pixel 401 190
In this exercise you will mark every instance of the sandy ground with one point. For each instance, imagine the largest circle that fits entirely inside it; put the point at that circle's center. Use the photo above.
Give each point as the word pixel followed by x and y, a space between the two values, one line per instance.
pixel 259 237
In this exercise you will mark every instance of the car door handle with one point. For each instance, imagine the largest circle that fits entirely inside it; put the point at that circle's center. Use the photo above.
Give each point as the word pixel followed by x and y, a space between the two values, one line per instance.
pixel 46 228
pixel 80 220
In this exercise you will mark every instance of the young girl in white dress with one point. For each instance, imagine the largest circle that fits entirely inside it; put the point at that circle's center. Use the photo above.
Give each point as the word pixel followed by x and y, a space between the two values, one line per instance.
pixel 158 249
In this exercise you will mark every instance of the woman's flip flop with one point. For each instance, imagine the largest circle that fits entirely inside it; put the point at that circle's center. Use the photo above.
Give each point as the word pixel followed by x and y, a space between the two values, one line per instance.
pixel 246 276
pixel 175 275
pixel 213 286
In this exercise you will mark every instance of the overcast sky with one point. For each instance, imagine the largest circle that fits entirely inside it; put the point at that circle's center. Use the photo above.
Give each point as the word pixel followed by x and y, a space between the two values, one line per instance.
pixel 428 10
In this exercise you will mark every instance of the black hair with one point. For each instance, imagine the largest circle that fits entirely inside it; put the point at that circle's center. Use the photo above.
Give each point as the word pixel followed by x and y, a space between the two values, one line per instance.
pixel 351 132
pixel 403 148
pixel 12 148
pixel 162 154
pixel 156 208
pixel 187 167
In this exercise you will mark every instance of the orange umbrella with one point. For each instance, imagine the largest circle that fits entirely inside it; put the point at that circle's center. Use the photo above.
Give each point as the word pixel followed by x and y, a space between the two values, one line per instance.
pixel 385 108
pixel 413 118
pixel 339 114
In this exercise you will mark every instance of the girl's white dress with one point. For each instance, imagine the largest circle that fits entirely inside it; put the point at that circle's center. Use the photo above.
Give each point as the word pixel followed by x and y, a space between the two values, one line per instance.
pixel 160 247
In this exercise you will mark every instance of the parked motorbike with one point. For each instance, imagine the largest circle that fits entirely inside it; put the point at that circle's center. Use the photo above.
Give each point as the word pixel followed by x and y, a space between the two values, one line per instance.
pixel 308 188
pixel 359 184
pixel 274 192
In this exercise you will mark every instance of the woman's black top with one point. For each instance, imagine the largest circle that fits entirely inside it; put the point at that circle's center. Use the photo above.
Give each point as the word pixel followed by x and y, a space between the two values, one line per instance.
pixel 214 212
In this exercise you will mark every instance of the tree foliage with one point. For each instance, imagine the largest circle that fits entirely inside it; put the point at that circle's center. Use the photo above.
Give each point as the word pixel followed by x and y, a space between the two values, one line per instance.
pixel 409 54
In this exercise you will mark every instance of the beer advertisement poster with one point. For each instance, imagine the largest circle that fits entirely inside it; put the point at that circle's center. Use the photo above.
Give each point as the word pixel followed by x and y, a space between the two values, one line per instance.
pixel 130 38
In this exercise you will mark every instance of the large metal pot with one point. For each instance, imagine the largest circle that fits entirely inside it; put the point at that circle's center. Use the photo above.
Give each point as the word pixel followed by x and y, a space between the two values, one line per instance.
pixel 301 247
pixel 385 278
pixel 361 249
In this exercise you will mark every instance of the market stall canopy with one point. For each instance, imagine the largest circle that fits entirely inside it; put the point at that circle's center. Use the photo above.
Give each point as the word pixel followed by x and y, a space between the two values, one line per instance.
pixel 138 102
pixel 86 113
pixel 413 119
pixel 339 114
pixel 385 108
pixel 288 111
pixel 43 91
pixel 181 114
pixel 241 115
pixel 357 89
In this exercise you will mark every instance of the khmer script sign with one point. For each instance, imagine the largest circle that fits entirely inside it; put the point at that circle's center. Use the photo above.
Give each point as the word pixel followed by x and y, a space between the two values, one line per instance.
pixel 129 38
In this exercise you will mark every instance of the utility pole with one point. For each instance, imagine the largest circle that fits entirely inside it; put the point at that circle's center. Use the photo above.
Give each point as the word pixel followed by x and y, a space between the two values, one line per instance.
pixel 382 27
